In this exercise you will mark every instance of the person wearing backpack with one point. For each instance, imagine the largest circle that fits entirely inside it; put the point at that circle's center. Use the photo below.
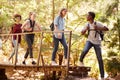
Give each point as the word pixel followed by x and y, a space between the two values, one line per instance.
pixel 30 25
pixel 95 30
pixel 59 25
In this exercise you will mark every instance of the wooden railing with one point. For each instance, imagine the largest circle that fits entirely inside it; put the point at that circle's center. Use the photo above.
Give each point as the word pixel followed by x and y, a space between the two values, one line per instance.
pixel 40 47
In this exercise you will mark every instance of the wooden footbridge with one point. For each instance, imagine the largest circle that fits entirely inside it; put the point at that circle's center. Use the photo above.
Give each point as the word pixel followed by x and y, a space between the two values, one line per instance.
pixel 64 71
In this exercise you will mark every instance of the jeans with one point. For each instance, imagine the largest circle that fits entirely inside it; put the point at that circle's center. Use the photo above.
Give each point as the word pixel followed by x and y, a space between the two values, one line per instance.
pixel 56 44
pixel 97 48
pixel 29 39
pixel 14 42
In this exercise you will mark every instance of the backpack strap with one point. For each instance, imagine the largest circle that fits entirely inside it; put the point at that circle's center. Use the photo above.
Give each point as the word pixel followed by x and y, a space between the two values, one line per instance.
pixel 88 29
pixel 92 29
pixel 96 30
pixel 32 25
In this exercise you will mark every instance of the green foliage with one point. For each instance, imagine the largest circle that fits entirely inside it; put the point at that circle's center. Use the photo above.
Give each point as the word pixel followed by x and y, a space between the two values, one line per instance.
pixel 107 11
pixel 112 63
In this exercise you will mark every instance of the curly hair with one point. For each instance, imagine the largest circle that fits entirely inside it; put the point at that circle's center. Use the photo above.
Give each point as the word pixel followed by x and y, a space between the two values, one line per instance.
pixel 17 15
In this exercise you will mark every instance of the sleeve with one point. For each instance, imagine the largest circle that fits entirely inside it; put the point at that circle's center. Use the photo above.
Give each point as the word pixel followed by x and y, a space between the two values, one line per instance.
pixel 100 25
pixel 56 20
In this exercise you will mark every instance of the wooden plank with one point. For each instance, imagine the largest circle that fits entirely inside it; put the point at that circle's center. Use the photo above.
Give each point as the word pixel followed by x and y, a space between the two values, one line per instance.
pixel 32 67
pixel 71 68
pixel 79 68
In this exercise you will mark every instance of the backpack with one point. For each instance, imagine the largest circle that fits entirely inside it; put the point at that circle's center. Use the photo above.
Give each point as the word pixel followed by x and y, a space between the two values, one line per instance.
pixel 97 31
pixel 52 25
pixel 31 25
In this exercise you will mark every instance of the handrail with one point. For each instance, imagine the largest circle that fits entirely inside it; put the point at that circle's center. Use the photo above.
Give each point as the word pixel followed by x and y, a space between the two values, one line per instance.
pixel 33 33
pixel 40 55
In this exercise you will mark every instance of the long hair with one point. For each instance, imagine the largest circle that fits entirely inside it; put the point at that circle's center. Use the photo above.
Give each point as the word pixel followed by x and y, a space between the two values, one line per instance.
pixel 30 13
pixel 62 11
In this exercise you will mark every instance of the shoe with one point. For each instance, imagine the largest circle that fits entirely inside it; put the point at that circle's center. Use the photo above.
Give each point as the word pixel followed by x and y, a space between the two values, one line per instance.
pixel 65 62
pixel 81 64
pixel 24 62
pixel 33 62
pixel 102 78
pixel 54 63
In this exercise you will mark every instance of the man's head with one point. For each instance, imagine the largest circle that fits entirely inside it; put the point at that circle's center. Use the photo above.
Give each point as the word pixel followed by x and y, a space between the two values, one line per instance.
pixel 90 16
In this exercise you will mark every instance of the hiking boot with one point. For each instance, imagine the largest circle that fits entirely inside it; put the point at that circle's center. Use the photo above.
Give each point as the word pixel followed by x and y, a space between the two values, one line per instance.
pixel 33 62
pixel 24 62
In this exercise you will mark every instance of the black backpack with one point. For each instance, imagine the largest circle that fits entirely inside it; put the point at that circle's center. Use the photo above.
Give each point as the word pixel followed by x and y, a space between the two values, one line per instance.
pixel 31 25
pixel 52 25
pixel 97 31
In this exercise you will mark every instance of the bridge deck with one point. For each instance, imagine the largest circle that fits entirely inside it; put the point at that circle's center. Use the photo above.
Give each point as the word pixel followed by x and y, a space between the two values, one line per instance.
pixel 46 67
pixel 40 68
pixel 73 70
pixel 32 67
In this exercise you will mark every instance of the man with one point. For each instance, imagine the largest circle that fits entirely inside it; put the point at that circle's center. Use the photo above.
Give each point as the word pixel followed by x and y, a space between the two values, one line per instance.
pixel 94 40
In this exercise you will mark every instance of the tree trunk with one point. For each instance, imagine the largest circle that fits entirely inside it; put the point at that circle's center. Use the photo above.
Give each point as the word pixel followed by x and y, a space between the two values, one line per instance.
pixel 53 5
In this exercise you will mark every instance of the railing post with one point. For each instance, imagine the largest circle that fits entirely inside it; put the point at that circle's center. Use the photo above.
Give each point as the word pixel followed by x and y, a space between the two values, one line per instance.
pixel 40 56
pixel 69 48
pixel 16 50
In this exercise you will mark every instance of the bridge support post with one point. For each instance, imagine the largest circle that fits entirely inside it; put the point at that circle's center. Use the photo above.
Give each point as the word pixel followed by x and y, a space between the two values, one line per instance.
pixel 2 74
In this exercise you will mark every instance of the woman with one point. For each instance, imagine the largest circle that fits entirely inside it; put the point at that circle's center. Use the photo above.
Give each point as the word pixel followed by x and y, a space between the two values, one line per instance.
pixel 59 25
pixel 16 28
pixel 29 26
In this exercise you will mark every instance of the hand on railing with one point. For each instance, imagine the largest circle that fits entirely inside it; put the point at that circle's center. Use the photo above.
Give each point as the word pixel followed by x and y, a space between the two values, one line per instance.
pixel 5 41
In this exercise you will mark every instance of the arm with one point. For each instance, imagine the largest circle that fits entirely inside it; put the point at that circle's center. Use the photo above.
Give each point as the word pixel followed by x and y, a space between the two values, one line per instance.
pixel 25 29
pixel 38 27
pixel 84 29
pixel 56 27
pixel 56 23
pixel 11 30
pixel 101 27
